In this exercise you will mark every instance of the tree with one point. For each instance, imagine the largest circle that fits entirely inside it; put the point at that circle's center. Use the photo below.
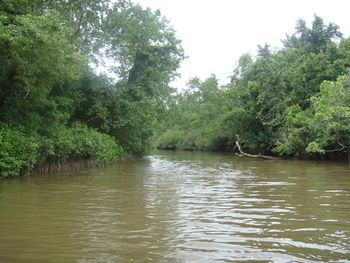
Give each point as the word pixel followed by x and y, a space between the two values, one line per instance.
pixel 273 101
pixel 145 47
pixel 147 55
pixel 324 127
pixel 315 38
pixel 38 64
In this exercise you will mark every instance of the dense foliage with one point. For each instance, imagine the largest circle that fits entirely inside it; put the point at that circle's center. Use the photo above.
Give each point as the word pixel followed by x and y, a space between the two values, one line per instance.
pixel 17 151
pixel 292 101
pixel 53 106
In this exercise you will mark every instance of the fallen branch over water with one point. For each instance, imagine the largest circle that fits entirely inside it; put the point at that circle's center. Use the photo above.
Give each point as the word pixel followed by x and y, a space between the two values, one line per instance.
pixel 260 156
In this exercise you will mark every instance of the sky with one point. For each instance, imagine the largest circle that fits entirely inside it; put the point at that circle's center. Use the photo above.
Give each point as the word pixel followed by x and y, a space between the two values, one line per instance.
pixel 216 33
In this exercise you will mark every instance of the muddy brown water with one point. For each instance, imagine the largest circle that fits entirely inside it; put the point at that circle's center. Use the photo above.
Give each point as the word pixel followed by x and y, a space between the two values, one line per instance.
pixel 180 207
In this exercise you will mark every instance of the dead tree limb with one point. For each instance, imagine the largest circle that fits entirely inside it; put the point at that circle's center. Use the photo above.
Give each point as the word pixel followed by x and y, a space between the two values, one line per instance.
pixel 243 154
pixel 336 150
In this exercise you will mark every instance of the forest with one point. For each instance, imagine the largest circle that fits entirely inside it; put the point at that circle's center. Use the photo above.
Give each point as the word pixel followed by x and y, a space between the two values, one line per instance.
pixel 55 108
pixel 292 102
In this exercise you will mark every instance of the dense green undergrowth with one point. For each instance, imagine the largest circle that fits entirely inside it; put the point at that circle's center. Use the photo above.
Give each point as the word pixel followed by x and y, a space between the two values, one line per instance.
pixel 21 152
pixel 17 151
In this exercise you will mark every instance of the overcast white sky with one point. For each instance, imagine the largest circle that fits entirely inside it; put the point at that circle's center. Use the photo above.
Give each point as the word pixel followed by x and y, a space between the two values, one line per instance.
pixel 215 33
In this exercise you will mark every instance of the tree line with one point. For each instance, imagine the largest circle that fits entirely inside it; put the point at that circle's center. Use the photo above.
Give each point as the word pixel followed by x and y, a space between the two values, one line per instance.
pixel 54 107
pixel 292 101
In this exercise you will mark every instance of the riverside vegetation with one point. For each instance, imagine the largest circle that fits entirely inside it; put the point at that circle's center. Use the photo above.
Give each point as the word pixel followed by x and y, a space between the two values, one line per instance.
pixel 55 108
pixel 294 101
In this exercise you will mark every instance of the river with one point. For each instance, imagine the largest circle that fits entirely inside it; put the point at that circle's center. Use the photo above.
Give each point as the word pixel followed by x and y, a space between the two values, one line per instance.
pixel 180 207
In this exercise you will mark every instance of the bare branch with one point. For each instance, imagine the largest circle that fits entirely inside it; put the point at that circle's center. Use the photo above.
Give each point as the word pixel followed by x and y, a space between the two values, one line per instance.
pixel 243 154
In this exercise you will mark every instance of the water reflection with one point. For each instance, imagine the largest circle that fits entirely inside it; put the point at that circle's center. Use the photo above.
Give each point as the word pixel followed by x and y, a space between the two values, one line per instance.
pixel 180 207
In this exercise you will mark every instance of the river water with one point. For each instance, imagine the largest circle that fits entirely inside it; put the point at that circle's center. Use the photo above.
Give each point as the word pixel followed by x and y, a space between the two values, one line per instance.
pixel 180 207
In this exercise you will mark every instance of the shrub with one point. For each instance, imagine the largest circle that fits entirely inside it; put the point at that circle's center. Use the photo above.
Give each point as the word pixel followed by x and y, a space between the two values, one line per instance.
pixel 17 151
pixel 188 141
pixel 92 145
pixel 169 140
pixel 78 143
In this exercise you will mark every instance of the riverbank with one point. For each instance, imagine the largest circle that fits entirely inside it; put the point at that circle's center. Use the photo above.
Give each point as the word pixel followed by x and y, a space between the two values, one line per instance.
pixel 333 156
pixel 67 166
pixel 73 165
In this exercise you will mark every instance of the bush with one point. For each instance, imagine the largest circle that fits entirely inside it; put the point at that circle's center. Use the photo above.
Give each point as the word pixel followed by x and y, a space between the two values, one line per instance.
pixel 56 145
pixel 91 145
pixel 188 141
pixel 17 151
pixel 169 140
pixel 78 143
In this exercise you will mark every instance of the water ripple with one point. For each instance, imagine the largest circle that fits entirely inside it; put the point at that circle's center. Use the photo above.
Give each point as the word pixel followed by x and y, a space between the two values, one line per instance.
pixel 180 207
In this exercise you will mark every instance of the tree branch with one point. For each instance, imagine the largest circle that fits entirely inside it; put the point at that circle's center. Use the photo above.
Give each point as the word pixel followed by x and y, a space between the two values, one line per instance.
pixel 243 154
pixel 336 150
